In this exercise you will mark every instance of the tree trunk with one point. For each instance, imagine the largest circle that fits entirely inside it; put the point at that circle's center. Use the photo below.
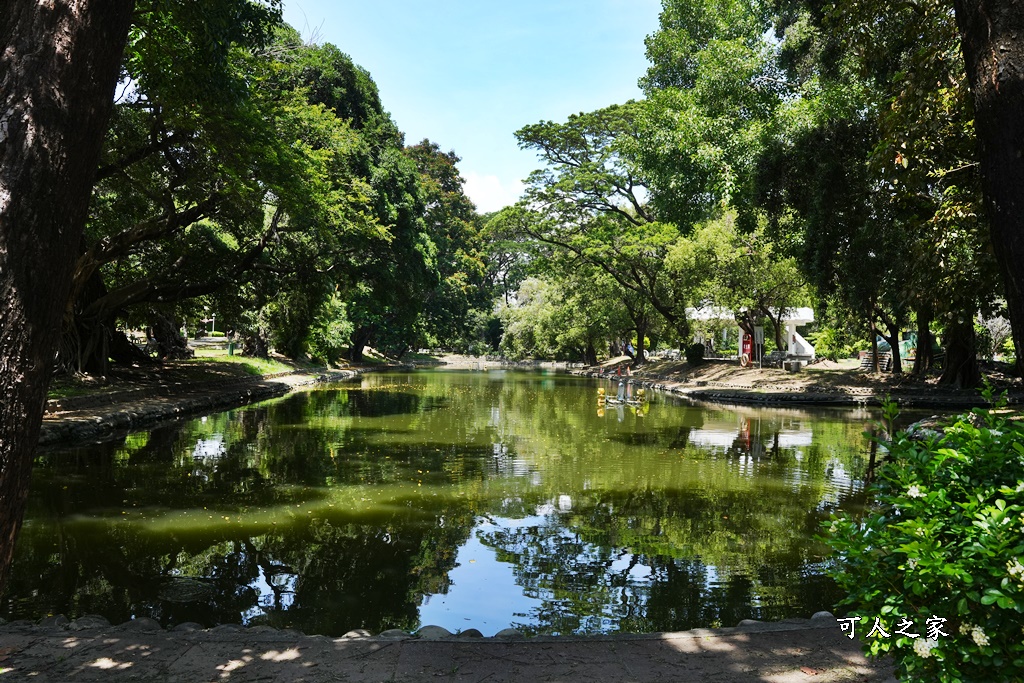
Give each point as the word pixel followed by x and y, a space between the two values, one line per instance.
pixel 94 347
pixel 58 67
pixel 255 345
pixel 641 339
pixel 894 348
pixel 590 353
pixel 925 356
pixel 95 339
pixel 123 351
pixel 641 355
pixel 360 338
pixel 893 338
pixel 992 33
pixel 169 342
pixel 874 349
pixel 780 343
pixel 961 368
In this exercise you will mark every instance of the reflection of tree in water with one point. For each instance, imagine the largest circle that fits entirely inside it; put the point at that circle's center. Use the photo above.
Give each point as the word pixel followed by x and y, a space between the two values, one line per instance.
pixel 352 402
pixel 323 576
pixel 160 469
pixel 118 572
pixel 326 575
pixel 654 560
pixel 663 533
pixel 369 576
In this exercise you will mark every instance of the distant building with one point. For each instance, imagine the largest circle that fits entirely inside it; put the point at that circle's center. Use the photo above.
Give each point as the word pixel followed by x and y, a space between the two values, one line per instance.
pixel 798 348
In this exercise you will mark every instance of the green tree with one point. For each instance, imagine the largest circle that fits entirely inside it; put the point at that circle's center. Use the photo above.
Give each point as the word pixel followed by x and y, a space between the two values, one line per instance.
pixel 993 50
pixel 570 313
pixel 451 223
pixel 741 272
pixel 712 89
pixel 205 187
pixel 56 106
pixel 591 201
pixel 870 178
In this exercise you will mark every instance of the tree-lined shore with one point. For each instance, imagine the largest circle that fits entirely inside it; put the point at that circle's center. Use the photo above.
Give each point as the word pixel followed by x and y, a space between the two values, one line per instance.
pixel 168 165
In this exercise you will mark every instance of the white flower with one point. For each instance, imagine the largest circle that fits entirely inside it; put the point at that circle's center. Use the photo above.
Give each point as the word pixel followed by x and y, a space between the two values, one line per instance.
pixel 995 432
pixel 923 647
pixel 832 529
pixel 915 492
pixel 965 628
pixel 979 636
pixel 1015 568
pixel 912 563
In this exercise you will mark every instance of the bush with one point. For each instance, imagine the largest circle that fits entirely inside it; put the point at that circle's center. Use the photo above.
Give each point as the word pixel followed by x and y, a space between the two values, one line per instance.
pixel 1009 353
pixel 695 354
pixel 330 332
pixel 984 341
pixel 944 542
pixel 829 343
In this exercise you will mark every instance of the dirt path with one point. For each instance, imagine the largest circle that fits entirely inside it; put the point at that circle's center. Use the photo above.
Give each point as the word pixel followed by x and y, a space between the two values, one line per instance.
pixel 130 406
pixel 822 384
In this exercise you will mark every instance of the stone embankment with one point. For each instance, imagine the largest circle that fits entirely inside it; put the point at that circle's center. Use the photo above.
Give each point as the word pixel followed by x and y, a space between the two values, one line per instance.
pixel 101 416
pixel 90 648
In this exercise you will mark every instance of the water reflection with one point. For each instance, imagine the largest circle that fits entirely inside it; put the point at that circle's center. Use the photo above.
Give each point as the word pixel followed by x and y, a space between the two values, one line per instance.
pixel 467 500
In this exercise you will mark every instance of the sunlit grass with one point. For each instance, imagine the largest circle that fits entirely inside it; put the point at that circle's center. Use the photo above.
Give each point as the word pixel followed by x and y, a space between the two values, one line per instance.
pixel 250 365
pixel 63 387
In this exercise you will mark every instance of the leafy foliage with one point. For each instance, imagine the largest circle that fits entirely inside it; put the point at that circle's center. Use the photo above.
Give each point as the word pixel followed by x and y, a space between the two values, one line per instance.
pixel 251 174
pixel 870 175
pixel 945 539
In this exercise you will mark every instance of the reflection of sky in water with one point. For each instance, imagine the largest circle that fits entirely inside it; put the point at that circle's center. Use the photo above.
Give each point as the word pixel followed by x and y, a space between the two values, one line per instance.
pixel 478 576
pixel 210 450
pixel 639 571
pixel 485 591
pixel 283 582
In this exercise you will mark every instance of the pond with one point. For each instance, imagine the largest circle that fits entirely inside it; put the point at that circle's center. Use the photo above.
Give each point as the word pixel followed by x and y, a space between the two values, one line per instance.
pixel 463 499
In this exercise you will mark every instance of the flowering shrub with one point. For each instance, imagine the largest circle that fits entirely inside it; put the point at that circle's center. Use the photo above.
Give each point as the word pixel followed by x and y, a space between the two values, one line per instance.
pixel 942 546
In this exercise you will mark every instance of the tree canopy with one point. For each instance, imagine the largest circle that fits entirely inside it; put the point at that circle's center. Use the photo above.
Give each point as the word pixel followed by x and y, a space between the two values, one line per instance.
pixel 785 154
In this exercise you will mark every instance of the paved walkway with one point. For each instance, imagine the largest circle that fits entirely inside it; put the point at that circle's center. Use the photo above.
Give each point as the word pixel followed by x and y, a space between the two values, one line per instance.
pixel 786 652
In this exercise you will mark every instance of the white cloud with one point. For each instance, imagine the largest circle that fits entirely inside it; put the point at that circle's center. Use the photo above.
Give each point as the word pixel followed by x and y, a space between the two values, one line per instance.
pixel 490 193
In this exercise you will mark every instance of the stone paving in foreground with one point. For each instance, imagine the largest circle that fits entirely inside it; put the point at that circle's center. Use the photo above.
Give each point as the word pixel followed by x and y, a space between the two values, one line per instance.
pixel 89 649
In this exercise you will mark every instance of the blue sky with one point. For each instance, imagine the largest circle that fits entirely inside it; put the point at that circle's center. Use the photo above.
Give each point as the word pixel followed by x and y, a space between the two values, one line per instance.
pixel 468 73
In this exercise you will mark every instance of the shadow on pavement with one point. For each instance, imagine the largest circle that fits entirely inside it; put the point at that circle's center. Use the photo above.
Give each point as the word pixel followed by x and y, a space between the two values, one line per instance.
pixel 809 653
